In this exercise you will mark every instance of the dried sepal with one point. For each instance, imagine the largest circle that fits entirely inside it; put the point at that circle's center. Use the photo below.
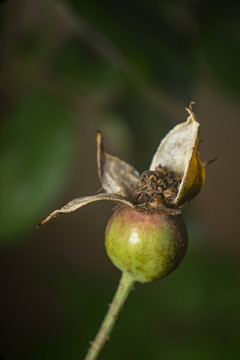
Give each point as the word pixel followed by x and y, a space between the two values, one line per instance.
pixel 80 202
pixel 178 152
pixel 193 178
pixel 116 175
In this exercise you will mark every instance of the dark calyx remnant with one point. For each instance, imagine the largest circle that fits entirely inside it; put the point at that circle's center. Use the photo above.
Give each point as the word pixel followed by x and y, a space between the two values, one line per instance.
pixel 157 189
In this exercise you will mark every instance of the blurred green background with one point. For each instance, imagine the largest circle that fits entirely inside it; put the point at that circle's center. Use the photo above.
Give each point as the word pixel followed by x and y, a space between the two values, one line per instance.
pixel 129 68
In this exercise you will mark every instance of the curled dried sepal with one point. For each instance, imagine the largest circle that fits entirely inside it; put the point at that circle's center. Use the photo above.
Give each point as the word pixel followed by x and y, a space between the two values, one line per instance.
pixel 79 202
pixel 193 178
pixel 178 152
pixel 116 175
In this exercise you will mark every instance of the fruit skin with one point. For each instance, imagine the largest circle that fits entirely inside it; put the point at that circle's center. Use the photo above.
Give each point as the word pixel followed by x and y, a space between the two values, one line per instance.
pixel 146 246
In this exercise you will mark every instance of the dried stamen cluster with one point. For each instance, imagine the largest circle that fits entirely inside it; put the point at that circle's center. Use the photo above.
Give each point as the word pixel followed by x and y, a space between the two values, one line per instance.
pixel 157 188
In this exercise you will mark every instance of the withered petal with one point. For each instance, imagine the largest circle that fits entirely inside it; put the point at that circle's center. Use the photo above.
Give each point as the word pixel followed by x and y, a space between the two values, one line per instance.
pixel 116 175
pixel 178 152
pixel 79 202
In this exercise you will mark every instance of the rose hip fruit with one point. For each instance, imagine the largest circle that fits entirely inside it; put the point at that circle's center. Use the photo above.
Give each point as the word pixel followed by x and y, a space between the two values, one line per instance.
pixel 148 246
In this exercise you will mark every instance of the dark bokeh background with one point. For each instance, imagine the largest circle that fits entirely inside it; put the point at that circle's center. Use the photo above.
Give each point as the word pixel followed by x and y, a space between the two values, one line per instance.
pixel 129 68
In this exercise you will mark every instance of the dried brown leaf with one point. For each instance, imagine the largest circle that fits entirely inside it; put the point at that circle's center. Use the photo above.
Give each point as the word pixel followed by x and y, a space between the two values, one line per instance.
pixel 116 175
pixel 80 202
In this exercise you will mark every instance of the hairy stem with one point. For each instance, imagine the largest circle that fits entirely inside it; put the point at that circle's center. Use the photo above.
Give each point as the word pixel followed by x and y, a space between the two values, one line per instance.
pixel 125 285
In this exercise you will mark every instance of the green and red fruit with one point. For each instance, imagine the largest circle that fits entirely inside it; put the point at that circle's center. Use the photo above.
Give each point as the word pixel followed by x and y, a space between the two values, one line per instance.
pixel 147 246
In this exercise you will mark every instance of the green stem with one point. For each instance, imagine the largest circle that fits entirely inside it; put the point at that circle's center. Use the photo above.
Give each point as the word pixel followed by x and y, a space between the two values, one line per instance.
pixel 125 285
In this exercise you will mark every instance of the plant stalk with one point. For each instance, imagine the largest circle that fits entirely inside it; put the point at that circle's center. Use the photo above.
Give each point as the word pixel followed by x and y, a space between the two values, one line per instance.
pixel 125 286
